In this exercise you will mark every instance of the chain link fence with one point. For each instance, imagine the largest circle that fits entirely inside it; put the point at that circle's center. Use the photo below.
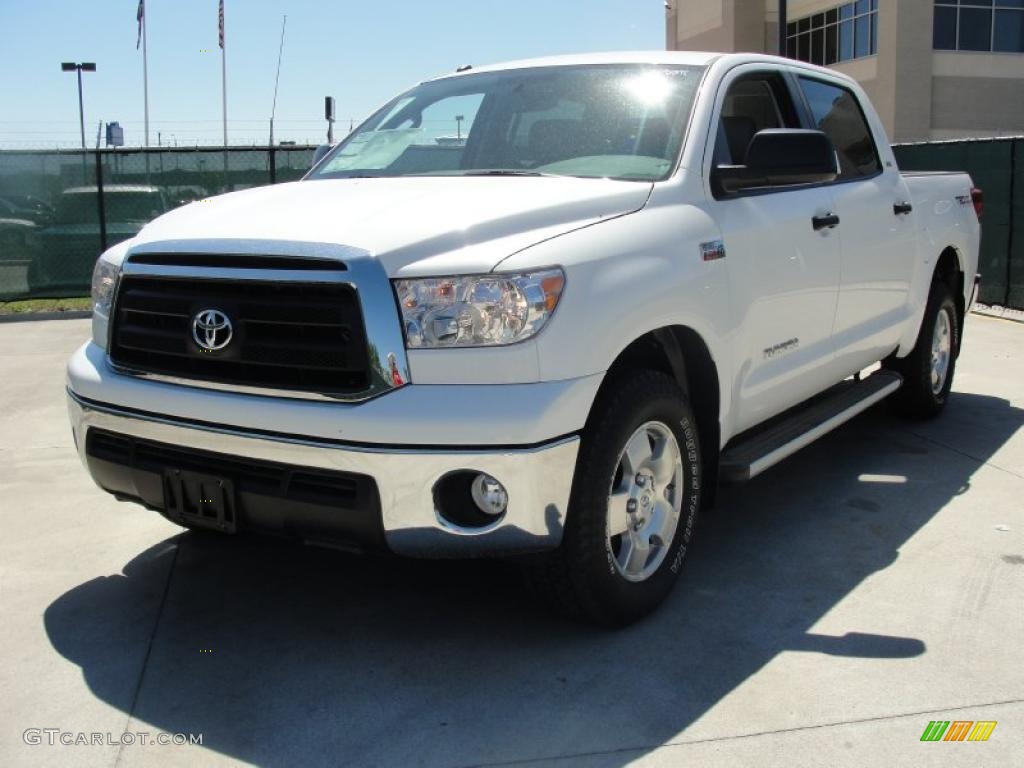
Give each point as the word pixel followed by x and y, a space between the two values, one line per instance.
pixel 60 209
pixel 997 167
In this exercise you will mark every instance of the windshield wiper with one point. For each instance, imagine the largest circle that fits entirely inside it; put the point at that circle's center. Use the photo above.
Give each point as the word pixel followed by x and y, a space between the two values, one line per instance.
pixel 506 172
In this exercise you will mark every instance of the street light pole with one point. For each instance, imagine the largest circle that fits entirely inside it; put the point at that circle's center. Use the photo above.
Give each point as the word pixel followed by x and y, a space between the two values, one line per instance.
pixel 81 108
pixel 85 66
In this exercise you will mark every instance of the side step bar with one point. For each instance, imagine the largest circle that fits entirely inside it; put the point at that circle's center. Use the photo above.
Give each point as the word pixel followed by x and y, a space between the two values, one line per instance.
pixel 753 455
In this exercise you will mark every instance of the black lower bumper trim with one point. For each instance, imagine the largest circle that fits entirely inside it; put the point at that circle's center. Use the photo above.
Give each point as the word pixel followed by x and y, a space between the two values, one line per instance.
pixel 254 495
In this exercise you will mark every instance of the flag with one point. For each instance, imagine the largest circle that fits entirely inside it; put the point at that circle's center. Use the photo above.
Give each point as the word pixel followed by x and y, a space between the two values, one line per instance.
pixel 220 24
pixel 140 17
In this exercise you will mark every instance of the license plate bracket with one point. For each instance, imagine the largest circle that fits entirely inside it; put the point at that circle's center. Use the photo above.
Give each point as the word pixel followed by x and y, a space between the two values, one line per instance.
pixel 201 500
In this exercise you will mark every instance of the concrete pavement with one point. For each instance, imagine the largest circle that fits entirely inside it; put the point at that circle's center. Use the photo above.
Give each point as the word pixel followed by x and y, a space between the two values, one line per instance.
pixel 829 611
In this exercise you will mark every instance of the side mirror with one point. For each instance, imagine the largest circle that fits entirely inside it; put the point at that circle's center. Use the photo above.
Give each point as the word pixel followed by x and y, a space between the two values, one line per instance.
pixel 779 157
pixel 318 155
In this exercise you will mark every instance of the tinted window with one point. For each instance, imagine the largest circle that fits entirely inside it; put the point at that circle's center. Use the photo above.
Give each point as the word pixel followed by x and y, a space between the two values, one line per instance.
pixel 803 47
pixel 818 46
pixel 979 25
pixel 832 45
pixel 846 41
pixel 751 105
pixel 847 32
pixel 863 37
pixel 975 29
pixel 1009 32
pixel 837 113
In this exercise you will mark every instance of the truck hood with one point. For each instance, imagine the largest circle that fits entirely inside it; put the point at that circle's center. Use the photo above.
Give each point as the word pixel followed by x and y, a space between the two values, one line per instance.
pixel 414 226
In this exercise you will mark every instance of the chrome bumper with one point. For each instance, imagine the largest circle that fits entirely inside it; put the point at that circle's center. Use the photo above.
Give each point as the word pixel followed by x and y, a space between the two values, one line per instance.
pixel 538 479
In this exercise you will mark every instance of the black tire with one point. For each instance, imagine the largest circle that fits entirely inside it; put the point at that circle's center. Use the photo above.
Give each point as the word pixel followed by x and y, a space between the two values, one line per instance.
pixel 581 578
pixel 919 398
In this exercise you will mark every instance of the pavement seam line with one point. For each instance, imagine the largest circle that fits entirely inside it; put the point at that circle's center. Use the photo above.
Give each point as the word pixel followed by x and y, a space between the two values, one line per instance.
pixel 149 647
pixel 966 455
pixel 738 736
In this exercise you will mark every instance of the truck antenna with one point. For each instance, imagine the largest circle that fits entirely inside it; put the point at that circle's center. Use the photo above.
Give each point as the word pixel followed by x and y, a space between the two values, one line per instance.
pixel 277 79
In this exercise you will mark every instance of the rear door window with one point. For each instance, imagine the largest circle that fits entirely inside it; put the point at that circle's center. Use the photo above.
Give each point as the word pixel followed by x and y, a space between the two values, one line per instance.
pixel 836 112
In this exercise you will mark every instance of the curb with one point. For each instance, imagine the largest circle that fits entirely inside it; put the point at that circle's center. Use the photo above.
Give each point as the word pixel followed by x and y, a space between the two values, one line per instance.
pixel 24 317
pixel 1000 313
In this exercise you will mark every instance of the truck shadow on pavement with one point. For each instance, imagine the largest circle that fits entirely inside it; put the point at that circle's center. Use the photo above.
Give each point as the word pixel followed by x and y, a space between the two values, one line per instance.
pixel 280 654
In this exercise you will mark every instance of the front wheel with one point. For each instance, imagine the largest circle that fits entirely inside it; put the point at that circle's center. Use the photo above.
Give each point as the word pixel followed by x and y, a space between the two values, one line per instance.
pixel 633 508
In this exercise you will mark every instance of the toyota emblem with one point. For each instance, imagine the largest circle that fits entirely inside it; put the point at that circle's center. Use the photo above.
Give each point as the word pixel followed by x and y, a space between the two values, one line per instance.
pixel 211 330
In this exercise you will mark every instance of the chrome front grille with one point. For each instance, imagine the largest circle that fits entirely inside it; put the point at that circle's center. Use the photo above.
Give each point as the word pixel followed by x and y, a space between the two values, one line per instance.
pixel 306 337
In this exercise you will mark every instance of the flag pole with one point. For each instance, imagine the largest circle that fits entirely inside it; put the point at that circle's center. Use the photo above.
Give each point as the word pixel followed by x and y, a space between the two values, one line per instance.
pixel 224 73
pixel 145 77
pixel 224 85
pixel 273 108
pixel 224 90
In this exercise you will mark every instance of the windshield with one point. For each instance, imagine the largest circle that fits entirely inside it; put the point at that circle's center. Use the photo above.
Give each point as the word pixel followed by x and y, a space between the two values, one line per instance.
pixel 601 121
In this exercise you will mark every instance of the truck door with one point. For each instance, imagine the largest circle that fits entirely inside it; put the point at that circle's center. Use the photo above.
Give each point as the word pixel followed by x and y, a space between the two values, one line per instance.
pixel 783 264
pixel 876 230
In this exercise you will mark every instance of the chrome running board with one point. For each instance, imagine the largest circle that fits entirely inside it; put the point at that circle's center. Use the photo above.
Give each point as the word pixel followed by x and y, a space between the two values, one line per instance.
pixel 752 455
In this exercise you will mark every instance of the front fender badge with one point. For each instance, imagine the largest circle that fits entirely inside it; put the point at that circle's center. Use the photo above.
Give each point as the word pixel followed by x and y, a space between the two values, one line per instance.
pixel 713 250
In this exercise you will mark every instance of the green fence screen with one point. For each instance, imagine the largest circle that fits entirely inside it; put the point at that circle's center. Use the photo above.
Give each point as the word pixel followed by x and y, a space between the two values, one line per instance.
pixel 51 227
pixel 997 167
pixel 59 210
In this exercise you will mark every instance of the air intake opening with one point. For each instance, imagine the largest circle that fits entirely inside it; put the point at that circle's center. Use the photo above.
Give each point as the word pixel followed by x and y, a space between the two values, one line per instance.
pixel 237 261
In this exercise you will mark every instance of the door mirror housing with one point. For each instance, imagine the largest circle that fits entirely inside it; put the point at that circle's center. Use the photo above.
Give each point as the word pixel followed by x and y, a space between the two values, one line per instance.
pixel 779 157
pixel 318 155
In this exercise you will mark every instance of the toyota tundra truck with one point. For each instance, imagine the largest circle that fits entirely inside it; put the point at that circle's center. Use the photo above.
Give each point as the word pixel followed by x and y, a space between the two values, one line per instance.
pixel 537 310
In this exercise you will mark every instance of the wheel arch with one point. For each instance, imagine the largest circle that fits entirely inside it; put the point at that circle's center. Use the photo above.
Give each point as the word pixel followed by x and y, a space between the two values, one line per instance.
pixel 949 270
pixel 680 352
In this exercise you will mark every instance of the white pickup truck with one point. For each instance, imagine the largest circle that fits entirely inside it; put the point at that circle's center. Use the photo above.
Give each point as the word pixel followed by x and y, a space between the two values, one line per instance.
pixel 539 309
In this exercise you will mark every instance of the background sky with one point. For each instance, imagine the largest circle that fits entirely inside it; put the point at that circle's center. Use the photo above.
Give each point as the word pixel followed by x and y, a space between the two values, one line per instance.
pixel 362 52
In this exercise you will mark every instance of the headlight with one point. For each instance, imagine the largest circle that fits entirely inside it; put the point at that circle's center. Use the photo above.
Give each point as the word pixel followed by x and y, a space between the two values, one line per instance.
pixel 477 310
pixel 104 282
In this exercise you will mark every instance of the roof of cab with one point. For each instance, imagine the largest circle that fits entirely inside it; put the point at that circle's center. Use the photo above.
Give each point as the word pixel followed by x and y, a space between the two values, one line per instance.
pixel 682 58
pixel 691 58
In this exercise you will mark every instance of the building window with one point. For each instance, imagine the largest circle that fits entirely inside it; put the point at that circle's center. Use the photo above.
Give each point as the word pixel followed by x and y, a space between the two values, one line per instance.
pixel 979 25
pixel 842 33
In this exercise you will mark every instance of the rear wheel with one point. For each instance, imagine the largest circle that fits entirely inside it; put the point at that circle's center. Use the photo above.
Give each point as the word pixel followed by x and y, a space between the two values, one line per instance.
pixel 633 508
pixel 928 370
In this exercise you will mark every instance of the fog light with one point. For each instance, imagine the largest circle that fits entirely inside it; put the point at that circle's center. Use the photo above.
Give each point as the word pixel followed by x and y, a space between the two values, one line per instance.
pixel 489 495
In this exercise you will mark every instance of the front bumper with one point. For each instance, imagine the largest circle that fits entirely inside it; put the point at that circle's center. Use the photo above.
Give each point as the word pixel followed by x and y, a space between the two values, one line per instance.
pixel 538 480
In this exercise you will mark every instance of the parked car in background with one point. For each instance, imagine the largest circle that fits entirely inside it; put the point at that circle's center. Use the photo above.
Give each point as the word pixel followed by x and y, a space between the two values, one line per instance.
pixel 18 239
pixel 185 194
pixel 68 247
pixel 25 207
